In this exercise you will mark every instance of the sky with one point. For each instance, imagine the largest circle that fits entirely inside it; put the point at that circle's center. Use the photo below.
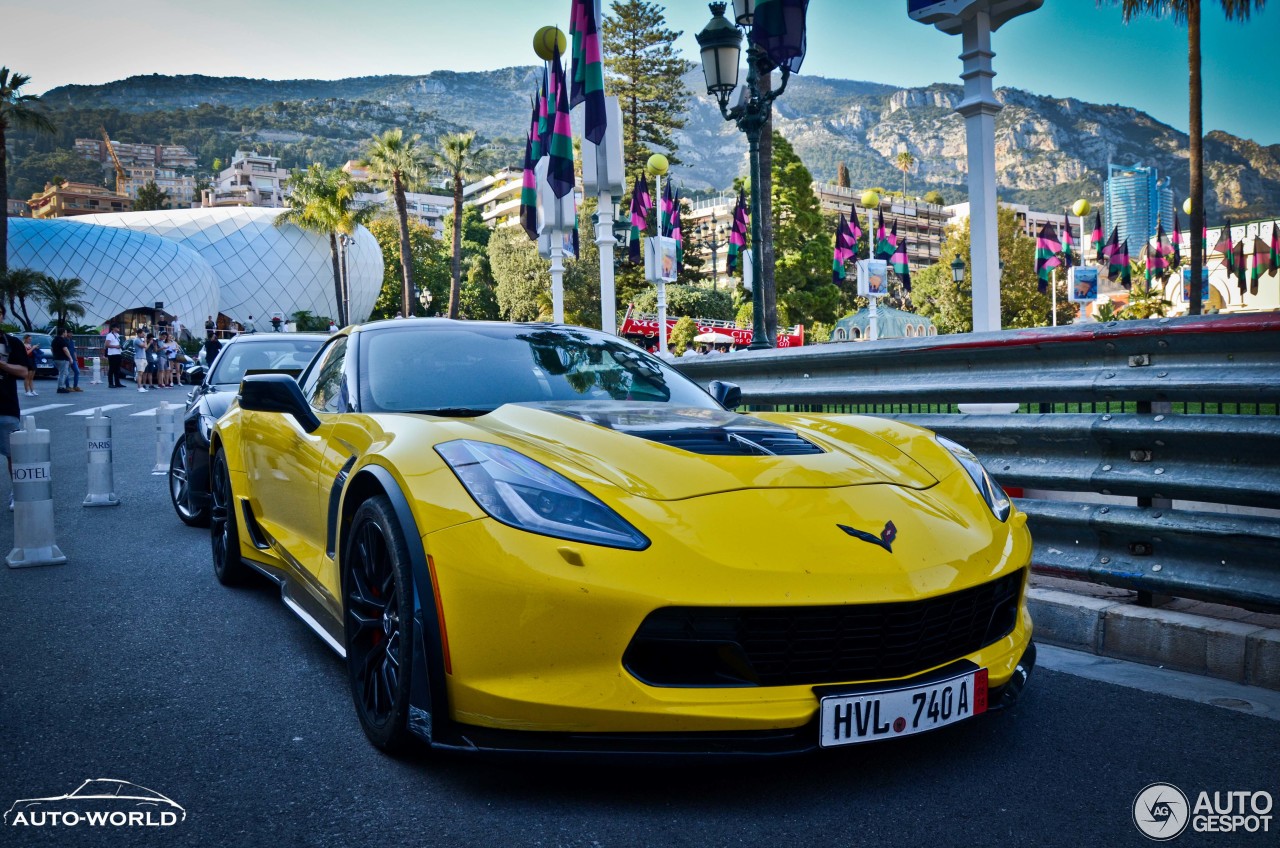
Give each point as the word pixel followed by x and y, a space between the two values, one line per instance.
pixel 1068 48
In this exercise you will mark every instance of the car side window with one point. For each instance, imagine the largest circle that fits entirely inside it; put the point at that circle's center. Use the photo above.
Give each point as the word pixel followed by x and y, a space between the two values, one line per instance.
pixel 325 385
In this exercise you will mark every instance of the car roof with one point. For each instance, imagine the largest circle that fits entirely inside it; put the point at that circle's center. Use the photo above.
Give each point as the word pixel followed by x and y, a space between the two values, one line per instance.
pixel 509 327
pixel 263 338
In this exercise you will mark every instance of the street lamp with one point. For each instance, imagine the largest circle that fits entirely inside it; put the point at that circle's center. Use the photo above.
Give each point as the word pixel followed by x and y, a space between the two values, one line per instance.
pixel 344 308
pixel 720 43
pixel 424 297
pixel 957 270
pixel 711 237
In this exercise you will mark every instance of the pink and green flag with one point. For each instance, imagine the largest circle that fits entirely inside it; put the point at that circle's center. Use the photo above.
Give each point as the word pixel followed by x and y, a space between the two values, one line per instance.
pixel 738 233
pixel 885 243
pixel 641 203
pixel 676 231
pixel 543 135
pixel 1176 242
pixel 1068 242
pixel 586 72
pixel 529 183
pixel 1275 245
pixel 1261 263
pixel 560 170
pixel 1237 264
pixel 1121 258
pixel 855 229
pixel 900 263
pixel 842 253
pixel 668 207
pixel 1097 237
pixel 1047 249
pixel 1157 257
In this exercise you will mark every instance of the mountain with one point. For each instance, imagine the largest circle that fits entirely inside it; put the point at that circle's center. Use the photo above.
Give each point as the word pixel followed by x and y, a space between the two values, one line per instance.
pixel 1049 151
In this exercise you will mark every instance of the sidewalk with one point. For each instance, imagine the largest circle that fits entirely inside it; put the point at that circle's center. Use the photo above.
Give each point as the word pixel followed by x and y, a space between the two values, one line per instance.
pixel 1208 639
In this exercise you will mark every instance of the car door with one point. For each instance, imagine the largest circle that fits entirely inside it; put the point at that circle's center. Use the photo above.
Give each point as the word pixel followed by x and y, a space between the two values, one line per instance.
pixel 283 460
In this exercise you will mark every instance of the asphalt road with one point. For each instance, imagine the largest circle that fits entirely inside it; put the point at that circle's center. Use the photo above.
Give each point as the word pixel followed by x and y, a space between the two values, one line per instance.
pixel 131 662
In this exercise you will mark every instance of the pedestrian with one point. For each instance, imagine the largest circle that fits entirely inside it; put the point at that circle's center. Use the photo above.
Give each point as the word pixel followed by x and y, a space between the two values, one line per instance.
pixel 29 383
pixel 155 355
pixel 177 328
pixel 62 360
pixel 209 326
pixel 211 348
pixel 140 375
pixel 333 328
pixel 249 327
pixel 169 364
pixel 115 354
pixel 75 363
pixel 14 365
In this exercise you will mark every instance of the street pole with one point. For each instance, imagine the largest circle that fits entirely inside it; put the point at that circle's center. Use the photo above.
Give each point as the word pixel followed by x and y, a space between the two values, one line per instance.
pixel 606 242
pixel 1054 288
pixel 979 109
pixel 557 275
pixel 662 284
pixel 751 123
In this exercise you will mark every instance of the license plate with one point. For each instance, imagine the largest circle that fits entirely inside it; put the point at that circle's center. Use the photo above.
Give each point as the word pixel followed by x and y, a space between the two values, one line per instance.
pixel 868 716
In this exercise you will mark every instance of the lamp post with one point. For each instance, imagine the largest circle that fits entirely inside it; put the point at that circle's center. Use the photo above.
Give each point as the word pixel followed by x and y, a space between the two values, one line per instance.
pixel 957 270
pixel 711 237
pixel 344 308
pixel 424 297
pixel 720 43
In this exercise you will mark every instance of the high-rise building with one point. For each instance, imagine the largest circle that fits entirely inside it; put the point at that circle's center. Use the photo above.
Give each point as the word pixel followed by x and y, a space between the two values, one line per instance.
pixel 1136 199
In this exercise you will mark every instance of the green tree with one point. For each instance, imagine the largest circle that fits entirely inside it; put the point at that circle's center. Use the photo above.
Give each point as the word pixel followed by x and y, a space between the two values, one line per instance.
pixel 16 110
pixel 694 301
pixel 430 267
pixel 20 284
pixel 842 175
pixel 803 242
pixel 322 201
pixel 521 277
pixel 399 163
pixel 644 69
pixel 1188 12
pixel 61 298
pixel 150 197
pixel 904 163
pixel 935 197
pixel 459 159
pixel 1022 304
pixel 34 171
pixel 1146 300
pixel 681 338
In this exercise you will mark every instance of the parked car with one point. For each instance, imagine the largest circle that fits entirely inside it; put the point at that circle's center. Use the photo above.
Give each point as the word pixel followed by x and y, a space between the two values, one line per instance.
pixel 542 538
pixel 258 353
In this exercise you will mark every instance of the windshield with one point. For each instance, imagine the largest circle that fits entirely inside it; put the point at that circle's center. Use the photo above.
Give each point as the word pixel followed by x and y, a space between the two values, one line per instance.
pixel 283 354
pixel 40 339
pixel 474 369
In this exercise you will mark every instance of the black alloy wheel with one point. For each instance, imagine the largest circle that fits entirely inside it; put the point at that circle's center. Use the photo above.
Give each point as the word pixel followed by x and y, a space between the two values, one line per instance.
pixel 378 624
pixel 180 491
pixel 224 534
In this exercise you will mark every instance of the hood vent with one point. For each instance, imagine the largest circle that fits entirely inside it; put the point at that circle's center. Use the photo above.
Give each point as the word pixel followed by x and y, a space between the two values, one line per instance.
pixel 721 442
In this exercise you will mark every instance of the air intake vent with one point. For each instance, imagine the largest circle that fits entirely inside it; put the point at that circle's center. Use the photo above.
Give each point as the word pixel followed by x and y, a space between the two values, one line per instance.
pixel 717 441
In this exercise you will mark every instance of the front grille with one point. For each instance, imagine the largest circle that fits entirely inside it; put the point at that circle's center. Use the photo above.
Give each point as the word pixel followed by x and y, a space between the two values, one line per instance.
pixel 715 441
pixel 787 646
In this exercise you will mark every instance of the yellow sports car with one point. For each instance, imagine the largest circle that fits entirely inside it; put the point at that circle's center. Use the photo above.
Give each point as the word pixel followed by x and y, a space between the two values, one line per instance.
pixel 541 538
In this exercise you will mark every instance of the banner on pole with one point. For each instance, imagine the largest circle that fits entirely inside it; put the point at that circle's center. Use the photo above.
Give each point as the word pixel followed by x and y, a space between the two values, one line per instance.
pixel 873 277
pixel 1082 284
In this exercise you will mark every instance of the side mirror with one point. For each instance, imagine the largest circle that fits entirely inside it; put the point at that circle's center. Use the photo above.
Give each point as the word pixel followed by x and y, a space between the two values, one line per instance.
pixel 277 393
pixel 728 395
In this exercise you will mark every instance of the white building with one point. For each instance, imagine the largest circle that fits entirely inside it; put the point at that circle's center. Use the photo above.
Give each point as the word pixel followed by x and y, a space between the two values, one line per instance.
pixel 251 180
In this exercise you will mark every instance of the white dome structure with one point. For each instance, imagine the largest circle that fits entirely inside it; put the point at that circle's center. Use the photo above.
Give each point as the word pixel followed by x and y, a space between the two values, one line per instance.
pixel 122 270
pixel 261 268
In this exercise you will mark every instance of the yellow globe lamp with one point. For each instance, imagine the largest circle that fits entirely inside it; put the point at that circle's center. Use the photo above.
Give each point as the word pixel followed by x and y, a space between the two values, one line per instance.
pixel 870 200
pixel 547 40
pixel 1186 206
pixel 656 166
pixel 1081 208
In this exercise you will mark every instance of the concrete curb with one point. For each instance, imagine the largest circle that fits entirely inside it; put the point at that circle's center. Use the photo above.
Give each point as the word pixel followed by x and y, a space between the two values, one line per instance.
pixel 1230 650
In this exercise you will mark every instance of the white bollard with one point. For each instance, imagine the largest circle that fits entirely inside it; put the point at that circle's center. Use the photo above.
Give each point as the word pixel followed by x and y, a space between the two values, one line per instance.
pixel 101 470
pixel 97 371
pixel 33 539
pixel 168 420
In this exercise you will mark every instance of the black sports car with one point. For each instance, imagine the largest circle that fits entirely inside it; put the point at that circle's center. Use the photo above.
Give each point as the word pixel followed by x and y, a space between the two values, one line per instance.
pixel 257 353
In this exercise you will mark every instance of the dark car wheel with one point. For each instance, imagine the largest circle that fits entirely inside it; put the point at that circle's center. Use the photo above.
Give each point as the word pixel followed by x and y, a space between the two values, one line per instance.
pixel 377 592
pixel 224 533
pixel 192 512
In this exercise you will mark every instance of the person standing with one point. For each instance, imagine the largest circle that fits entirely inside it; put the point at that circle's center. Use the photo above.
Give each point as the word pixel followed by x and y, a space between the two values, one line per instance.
pixel 249 327
pixel 177 328
pixel 75 363
pixel 140 358
pixel 115 353
pixel 155 355
pixel 62 360
pixel 29 385
pixel 168 360
pixel 14 365
pixel 211 348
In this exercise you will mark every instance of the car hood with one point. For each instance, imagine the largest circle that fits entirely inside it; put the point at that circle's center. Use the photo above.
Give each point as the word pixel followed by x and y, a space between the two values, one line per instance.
pixel 669 453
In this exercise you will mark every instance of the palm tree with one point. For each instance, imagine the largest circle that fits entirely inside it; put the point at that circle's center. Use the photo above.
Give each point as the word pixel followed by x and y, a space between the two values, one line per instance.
pixel 904 163
pixel 321 201
pixel 459 161
pixel 62 297
pixel 16 110
pixel 20 284
pixel 397 162
pixel 1188 11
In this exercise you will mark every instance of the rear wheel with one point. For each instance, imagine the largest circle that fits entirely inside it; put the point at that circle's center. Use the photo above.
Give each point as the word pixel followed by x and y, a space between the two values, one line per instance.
pixel 228 567
pixel 378 624
pixel 192 513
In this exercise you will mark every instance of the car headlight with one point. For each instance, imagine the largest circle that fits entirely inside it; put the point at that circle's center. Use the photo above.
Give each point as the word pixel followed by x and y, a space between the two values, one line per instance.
pixel 990 490
pixel 527 495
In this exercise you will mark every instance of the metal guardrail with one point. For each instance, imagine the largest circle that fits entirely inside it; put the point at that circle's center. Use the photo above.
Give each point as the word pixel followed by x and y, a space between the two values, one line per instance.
pixel 1214 546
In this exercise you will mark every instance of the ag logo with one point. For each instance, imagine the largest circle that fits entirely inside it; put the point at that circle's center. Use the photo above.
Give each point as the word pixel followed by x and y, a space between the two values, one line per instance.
pixel 1161 812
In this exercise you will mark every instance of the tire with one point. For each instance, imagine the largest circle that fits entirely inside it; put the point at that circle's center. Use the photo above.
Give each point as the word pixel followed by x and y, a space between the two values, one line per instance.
pixel 378 624
pixel 180 492
pixel 224 532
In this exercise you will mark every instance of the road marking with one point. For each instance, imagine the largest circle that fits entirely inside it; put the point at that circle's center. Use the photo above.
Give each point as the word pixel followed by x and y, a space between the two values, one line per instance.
pixel 146 413
pixel 33 410
pixel 1253 700
pixel 106 406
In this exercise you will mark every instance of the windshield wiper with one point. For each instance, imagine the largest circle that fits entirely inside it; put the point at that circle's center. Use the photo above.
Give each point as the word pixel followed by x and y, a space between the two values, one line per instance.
pixel 453 411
